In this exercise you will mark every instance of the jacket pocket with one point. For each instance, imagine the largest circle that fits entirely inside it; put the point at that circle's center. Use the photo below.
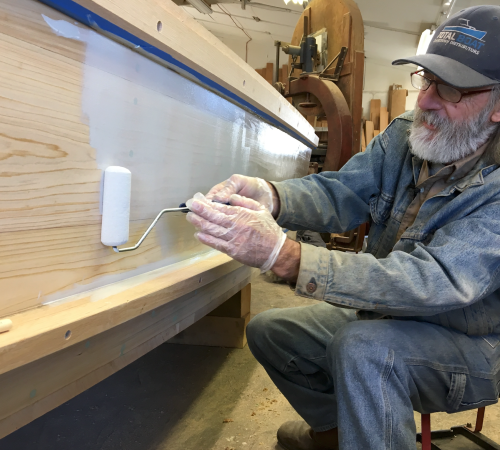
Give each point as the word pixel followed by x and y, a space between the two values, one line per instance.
pixel 456 392
pixel 380 208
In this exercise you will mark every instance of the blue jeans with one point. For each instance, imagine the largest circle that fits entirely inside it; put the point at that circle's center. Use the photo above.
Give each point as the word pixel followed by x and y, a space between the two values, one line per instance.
pixel 367 376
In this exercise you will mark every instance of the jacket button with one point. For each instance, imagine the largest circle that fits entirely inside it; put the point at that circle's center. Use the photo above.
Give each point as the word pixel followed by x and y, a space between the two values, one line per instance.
pixel 311 287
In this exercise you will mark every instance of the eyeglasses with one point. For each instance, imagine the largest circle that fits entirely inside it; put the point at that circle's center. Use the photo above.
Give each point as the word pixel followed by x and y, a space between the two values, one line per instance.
pixel 445 91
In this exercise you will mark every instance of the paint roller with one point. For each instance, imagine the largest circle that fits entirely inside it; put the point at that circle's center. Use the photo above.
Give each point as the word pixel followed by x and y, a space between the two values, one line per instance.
pixel 116 209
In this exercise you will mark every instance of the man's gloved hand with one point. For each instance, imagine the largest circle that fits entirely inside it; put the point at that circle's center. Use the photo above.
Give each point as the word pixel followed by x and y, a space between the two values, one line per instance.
pixel 250 187
pixel 245 230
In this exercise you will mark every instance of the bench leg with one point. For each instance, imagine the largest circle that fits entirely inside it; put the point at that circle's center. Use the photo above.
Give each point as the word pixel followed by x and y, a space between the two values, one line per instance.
pixel 426 432
pixel 225 326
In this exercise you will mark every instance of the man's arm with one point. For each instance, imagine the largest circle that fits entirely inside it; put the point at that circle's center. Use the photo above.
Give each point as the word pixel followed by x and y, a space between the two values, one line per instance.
pixel 331 202
pixel 459 266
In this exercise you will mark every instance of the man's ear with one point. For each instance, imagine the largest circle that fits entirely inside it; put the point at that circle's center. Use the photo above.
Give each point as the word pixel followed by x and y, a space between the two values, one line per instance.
pixel 495 117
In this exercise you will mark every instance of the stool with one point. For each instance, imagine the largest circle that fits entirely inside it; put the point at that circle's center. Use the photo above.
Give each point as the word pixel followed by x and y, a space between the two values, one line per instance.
pixel 463 434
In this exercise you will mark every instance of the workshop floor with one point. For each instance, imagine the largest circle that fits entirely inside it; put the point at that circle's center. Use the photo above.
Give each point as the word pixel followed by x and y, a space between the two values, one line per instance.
pixel 187 398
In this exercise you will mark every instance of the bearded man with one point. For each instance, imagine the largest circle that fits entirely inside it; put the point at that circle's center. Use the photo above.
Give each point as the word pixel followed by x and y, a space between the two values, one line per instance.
pixel 413 323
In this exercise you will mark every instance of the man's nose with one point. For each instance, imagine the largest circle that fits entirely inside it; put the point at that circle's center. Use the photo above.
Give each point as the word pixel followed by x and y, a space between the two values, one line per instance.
pixel 430 99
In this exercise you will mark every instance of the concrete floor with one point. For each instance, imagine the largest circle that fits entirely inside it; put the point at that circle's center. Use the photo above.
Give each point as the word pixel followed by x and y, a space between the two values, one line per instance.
pixel 181 397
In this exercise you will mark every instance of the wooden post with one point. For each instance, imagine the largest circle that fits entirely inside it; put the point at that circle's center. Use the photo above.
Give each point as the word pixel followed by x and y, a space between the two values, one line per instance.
pixel 375 113
pixel 225 326
pixel 269 73
pixel 384 118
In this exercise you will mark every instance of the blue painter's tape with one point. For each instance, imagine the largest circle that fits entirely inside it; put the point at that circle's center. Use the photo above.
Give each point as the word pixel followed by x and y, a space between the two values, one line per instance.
pixel 87 17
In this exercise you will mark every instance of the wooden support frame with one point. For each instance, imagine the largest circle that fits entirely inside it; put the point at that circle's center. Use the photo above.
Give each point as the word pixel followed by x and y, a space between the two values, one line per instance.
pixel 35 388
pixel 223 327
pixel 95 311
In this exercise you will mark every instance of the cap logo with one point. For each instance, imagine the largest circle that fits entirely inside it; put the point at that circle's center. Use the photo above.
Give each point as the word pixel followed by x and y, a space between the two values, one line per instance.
pixel 463 36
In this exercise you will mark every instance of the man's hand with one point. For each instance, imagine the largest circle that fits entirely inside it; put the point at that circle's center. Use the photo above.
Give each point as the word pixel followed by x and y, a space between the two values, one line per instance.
pixel 246 231
pixel 250 187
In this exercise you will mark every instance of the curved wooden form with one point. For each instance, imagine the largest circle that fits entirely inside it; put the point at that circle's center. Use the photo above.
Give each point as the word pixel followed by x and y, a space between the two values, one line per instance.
pixel 344 24
pixel 337 112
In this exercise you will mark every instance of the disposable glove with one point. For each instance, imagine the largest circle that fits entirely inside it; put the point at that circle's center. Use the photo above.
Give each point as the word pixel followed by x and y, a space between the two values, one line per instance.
pixel 245 230
pixel 250 187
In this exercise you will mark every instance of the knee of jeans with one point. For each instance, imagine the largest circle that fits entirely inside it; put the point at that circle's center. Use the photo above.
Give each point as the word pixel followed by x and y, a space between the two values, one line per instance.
pixel 354 342
pixel 259 330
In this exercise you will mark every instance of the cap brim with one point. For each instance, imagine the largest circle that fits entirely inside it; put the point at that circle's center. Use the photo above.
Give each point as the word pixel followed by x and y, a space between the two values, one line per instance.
pixel 449 70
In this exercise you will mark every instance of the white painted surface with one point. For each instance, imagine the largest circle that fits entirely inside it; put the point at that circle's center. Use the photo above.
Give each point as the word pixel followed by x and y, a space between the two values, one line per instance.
pixel 177 138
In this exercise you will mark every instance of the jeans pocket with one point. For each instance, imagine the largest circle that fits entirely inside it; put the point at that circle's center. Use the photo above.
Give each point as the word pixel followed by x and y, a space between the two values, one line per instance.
pixel 492 340
pixel 456 392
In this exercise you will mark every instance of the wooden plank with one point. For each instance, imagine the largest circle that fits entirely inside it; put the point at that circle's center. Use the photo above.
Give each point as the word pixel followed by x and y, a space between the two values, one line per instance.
pixel 34 389
pixel 376 133
pixel 398 103
pixel 369 131
pixel 384 118
pixel 363 140
pixel 269 73
pixel 70 108
pixel 347 35
pixel 44 330
pixel 193 45
pixel 284 74
pixel 375 105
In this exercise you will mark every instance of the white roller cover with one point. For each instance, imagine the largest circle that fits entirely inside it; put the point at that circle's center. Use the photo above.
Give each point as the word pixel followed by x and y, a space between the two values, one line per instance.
pixel 116 206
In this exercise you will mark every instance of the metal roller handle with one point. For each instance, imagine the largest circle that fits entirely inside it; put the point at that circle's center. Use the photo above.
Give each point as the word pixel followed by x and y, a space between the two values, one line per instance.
pixel 184 209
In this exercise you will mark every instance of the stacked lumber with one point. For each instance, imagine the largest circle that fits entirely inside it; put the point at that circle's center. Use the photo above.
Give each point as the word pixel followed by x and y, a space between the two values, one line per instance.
pixel 267 73
pixel 379 115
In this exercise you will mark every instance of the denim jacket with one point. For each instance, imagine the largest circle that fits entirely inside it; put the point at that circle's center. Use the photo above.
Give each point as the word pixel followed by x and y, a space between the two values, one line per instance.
pixel 445 269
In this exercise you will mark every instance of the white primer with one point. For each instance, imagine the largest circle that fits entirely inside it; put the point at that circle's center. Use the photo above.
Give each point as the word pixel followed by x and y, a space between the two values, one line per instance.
pixel 176 137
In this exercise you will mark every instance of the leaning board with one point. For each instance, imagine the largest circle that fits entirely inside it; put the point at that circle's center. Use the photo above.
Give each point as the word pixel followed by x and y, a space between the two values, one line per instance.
pixel 73 101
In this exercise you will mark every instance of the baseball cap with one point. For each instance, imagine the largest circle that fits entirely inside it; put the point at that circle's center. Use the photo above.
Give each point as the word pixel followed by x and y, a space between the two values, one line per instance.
pixel 465 49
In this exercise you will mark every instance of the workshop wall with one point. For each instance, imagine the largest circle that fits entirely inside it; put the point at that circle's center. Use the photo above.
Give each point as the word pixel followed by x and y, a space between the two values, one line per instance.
pixel 379 75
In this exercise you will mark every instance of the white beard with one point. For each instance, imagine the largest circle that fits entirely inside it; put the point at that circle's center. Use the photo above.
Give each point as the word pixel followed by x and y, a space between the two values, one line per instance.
pixel 451 140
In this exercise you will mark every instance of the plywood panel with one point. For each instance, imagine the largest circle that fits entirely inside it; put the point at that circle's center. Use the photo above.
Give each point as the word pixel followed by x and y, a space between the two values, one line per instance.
pixel 74 102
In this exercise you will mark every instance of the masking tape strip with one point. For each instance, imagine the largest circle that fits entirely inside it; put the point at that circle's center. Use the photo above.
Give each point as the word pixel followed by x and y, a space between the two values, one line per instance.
pixel 98 23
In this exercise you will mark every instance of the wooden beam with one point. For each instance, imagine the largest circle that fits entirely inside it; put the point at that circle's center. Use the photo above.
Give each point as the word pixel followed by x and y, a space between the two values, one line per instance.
pixel 269 73
pixel 67 115
pixel 398 103
pixel 384 118
pixel 42 331
pixel 188 44
pixel 34 389
pixel 375 105
pixel 225 326
pixel 369 131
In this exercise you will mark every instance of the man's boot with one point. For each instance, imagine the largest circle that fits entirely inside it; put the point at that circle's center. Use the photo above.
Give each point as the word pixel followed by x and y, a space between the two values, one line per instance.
pixel 297 435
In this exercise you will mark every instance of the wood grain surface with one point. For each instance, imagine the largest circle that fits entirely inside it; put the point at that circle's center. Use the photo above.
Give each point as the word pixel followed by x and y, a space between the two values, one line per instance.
pixel 73 102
